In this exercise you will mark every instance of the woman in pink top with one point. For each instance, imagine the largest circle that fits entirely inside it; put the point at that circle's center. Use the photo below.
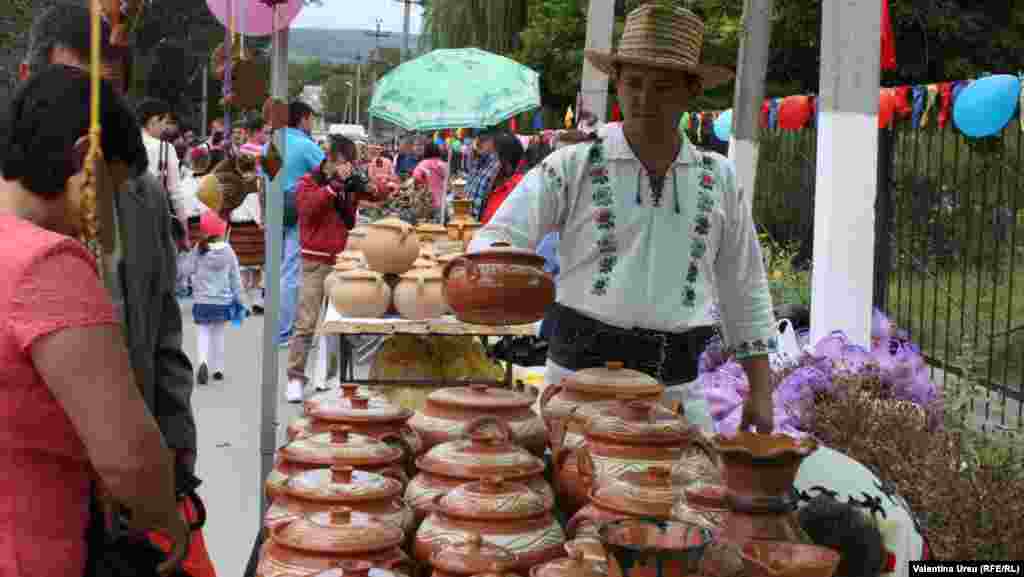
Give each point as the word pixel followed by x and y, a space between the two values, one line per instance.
pixel 70 411
pixel 379 167
pixel 432 172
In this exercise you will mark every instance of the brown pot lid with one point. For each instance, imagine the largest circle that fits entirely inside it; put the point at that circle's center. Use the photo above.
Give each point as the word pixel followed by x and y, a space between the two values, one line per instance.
pixel 480 397
pixel 639 423
pixel 361 274
pixel 358 409
pixel 613 378
pixel 342 484
pixel 431 228
pixel 647 493
pixel 493 499
pixel 473 556
pixel 572 566
pixel 430 273
pixel 481 455
pixel 338 532
pixel 340 448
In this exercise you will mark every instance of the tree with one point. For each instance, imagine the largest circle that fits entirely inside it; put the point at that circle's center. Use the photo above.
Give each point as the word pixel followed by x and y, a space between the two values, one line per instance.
pixel 492 25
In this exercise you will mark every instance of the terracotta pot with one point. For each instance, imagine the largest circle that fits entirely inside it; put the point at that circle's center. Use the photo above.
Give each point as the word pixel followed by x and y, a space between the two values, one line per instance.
pixel 576 394
pixel 653 548
pixel 356 569
pixel 463 229
pixel 337 487
pixel 702 504
pixel 462 208
pixel 391 246
pixel 484 453
pixel 503 513
pixel 360 293
pixel 430 232
pixel 458 189
pixel 425 263
pixel 498 286
pixel 777 559
pixel 323 541
pixel 471 558
pixel 336 448
pixel 372 416
pixel 351 255
pixel 575 565
pixel 340 267
pixel 447 412
pixel 419 294
pixel 356 238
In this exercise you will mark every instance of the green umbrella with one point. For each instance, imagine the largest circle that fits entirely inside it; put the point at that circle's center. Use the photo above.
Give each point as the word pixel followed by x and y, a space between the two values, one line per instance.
pixel 461 88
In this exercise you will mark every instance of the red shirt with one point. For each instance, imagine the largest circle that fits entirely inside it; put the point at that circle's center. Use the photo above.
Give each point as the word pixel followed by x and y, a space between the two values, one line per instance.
pixel 321 229
pixel 49 284
pixel 498 196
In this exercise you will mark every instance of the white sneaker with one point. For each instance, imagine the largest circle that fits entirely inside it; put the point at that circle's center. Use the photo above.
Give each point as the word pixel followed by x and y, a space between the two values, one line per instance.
pixel 331 383
pixel 294 393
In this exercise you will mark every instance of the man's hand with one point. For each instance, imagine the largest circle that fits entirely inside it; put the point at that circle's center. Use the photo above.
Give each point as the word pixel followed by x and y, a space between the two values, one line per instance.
pixel 758 409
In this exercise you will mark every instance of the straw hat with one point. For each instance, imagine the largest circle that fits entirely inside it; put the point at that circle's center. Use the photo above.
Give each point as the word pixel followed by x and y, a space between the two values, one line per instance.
pixel 662 36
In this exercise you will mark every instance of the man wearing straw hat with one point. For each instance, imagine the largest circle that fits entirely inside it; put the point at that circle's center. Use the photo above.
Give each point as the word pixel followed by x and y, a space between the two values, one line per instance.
pixel 653 231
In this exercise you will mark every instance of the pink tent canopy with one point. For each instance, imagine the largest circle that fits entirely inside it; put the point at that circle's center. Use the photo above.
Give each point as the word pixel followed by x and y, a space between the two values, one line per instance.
pixel 259 16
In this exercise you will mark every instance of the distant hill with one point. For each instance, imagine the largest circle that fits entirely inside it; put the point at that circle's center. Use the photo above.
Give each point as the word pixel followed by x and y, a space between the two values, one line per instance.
pixel 340 46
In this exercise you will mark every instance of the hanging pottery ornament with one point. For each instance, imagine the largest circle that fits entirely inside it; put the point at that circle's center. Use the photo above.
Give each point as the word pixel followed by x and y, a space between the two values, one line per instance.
pixel 985 107
pixel 259 16
pixel 723 126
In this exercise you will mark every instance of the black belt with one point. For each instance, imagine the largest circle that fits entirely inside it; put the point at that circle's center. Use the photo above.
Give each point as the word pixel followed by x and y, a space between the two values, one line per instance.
pixel 580 342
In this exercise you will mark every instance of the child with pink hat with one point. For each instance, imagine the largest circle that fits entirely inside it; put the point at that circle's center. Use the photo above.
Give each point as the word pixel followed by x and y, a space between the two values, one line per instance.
pixel 217 290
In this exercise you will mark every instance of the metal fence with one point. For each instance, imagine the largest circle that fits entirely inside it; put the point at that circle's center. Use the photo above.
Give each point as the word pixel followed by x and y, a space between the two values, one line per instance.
pixel 949 246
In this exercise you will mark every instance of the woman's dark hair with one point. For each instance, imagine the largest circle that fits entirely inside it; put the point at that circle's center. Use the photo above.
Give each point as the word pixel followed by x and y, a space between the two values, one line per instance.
pixel 508 148
pixel 62 26
pixel 848 530
pixel 149 108
pixel 431 150
pixel 47 116
pixel 297 112
pixel 342 147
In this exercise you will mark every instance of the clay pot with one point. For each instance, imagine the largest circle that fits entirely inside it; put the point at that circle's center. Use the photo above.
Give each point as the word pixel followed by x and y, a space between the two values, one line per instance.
pixel 462 208
pixel 391 246
pixel 356 238
pixel 337 487
pixel 336 448
pixel 503 513
pixel 702 504
pixel 328 540
pixel 777 559
pixel 483 453
pixel 419 294
pixel 471 558
pixel 356 569
pixel 498 286
pixel 360 293
pixel 463 229
pixel 350 255
pixel 575 565
pixel 430 232
pixel 447 413
pixel 371 416
pixel 425 263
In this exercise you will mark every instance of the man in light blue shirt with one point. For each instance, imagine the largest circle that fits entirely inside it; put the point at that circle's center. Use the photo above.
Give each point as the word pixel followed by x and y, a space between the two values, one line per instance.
pixel 301 155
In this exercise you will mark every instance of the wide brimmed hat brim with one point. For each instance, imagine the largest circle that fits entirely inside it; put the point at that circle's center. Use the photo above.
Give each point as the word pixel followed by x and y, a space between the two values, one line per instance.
pixel 710 76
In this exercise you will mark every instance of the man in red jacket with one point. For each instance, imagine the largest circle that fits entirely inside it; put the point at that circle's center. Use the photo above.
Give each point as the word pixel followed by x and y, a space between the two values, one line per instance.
pixel 326 200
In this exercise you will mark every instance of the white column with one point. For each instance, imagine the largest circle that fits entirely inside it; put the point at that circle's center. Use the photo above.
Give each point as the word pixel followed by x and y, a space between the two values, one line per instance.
pixel 600 27
pixel 844 216
pixel 753 66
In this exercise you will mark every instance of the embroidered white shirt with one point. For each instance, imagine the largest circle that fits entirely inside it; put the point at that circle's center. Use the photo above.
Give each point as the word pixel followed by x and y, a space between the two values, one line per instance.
pixel 636 259
pixel 154 149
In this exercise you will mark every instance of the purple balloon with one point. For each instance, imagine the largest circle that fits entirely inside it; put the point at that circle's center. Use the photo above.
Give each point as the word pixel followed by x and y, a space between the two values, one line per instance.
pixel 259 18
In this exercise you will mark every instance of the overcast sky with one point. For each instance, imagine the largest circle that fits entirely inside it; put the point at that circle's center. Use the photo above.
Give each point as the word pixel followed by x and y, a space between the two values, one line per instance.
pixel 358 14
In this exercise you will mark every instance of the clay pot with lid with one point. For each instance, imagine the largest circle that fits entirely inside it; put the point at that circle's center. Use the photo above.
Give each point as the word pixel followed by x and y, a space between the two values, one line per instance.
pixel 356 238
pixel 448 411
pixel 487 451
pixel 350 255
pixel 332 540
pixel 462 208
pixel 498 286
pixel 419 294
pixel 356 569
pixel 359 293
pixel 575 565
pixel 431 232
pixel 471 558
pixel 335 448
pixel 348 410
pixel 424 263
pixel 503 513
pixel 390 246
pixel 339 487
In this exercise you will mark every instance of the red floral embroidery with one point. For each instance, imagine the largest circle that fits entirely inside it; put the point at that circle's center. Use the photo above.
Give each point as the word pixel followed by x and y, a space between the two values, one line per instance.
pixel 890 562
pixel 708 180
pixel 602 215
pixel 598 171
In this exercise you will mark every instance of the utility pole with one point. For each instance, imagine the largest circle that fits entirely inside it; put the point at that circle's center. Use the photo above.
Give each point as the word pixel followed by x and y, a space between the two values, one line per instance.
pixel 359 89
pixel 407 9
pixel 600 26
pixel 847 165
pixel 753 66
pixel 373 67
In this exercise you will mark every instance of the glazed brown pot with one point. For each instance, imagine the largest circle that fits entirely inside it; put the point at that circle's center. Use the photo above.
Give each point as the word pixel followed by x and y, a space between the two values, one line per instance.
pixel 503 513
pixel 471 558
pixel 576 394
pixel 336 448
pixel 390 246
pixel 498 286
pixel 340 487
pixel 372 416
pixel 447 412
pixel 419 295
pixel 488 451
pixel 360 293
pixel 323 541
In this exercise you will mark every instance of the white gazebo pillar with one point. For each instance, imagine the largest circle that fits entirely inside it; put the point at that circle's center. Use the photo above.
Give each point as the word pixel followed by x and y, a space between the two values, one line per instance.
pixel 751 71
pixel 847 166
pixel 600 28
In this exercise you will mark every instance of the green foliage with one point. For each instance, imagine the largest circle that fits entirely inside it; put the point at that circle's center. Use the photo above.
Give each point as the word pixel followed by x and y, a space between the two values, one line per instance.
pixel 788 284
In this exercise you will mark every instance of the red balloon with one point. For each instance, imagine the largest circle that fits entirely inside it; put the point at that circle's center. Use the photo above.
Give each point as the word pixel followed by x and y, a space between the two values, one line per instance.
pixel 794 112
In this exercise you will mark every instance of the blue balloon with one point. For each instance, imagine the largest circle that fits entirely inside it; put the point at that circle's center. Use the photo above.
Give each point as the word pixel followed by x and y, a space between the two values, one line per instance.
pixel 987 105
pixel 723 126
